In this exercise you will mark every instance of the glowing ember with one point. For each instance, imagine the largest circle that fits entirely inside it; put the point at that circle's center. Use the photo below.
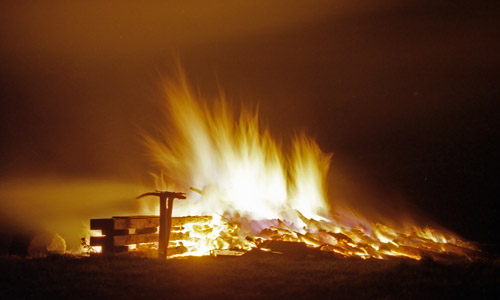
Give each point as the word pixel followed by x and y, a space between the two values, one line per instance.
pixel 254 191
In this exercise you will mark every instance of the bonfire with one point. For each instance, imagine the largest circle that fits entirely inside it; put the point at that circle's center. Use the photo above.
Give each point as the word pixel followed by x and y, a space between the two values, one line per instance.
pixel 245 192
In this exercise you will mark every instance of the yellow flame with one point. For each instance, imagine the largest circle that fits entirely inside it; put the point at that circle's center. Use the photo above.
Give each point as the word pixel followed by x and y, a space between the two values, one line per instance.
pixel 240 173
pixel 235 162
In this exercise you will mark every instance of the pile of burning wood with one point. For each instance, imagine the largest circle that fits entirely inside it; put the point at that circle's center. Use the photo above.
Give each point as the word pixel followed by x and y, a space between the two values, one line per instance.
pixel 204 235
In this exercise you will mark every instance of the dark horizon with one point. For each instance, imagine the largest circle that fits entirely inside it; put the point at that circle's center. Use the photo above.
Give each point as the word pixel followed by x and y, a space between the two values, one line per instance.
pixel 405 95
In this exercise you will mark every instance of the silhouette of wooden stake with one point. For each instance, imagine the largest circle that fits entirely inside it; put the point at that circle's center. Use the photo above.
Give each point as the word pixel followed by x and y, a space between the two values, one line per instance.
pixel 165 218
pixel 162 248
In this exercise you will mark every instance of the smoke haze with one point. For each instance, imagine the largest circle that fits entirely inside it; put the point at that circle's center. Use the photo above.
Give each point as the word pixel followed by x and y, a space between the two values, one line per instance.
pixel 405 95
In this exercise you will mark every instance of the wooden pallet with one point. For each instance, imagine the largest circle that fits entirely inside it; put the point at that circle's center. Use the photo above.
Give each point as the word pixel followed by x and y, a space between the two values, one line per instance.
pixel 120 232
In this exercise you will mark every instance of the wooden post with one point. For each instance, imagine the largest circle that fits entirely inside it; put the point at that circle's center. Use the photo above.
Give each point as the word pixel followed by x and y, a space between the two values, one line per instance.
pixel 169 221
pixel 165 218
pixel 164 228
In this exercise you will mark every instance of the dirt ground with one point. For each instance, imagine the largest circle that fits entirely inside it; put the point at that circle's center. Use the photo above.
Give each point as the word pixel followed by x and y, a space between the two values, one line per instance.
pixel 247 277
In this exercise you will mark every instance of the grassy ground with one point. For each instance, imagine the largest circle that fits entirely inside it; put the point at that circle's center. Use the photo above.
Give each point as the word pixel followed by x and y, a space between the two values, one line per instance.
pixel 251 277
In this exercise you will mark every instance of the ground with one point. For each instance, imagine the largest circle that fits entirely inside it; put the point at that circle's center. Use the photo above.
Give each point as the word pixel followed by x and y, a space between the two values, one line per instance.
pixel 250 277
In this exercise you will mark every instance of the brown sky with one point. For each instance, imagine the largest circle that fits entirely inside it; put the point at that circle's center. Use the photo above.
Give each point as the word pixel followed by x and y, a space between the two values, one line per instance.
pixel 405 94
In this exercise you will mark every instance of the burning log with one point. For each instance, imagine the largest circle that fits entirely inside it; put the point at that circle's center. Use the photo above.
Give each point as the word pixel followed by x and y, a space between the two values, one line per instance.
pixel 309 240
pixel 179 221
pixel 199 235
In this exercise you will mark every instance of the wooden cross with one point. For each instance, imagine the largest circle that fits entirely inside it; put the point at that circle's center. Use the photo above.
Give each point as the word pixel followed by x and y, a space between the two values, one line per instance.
pixel 165 217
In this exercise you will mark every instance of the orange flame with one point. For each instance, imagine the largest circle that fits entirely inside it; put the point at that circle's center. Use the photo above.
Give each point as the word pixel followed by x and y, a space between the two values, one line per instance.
pixel 236 163
pixel 242 174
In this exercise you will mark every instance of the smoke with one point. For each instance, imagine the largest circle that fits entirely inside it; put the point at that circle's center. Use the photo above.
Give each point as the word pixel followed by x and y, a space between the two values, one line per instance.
pixel 127 28
pixel 64 205
pixel 358 199
pixel 364 78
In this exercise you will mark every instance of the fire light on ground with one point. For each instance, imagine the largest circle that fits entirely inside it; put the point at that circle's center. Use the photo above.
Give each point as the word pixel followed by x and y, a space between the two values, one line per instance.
pixel 253 191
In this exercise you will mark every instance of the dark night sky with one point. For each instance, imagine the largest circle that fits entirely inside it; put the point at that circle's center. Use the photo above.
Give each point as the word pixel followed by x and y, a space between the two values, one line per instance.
pixel 405 94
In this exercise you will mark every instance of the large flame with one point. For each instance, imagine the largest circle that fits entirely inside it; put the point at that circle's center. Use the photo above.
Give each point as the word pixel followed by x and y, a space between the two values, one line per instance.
pixel 236 162
pixel 241 177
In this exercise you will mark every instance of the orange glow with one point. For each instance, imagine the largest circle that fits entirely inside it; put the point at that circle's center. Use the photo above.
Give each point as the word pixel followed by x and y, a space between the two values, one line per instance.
pixel 254 190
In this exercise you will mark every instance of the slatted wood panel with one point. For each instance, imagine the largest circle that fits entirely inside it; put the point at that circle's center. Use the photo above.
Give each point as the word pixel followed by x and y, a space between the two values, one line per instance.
pixel 119 232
